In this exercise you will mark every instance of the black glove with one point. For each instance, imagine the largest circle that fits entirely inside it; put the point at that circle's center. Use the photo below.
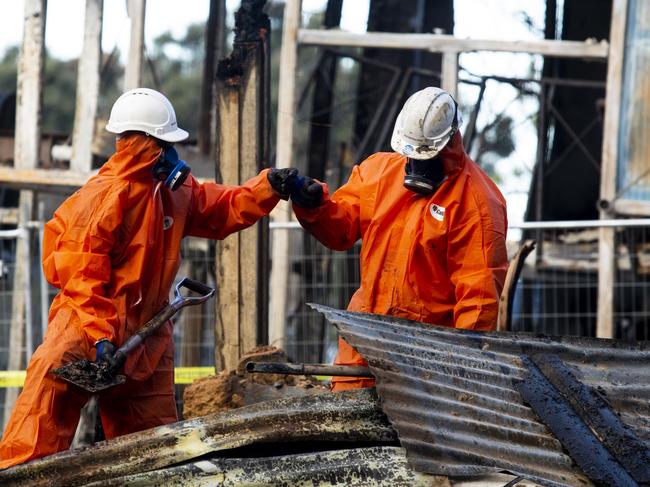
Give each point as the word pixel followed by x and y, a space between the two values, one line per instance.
pixel 283 181
pixel 307 193
pixel 105 351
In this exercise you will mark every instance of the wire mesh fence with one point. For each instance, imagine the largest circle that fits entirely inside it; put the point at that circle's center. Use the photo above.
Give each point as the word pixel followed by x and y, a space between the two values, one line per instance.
pixel 317 275
pixel 194 325
pixel 22 324
pixel 557 292
pixel 7 295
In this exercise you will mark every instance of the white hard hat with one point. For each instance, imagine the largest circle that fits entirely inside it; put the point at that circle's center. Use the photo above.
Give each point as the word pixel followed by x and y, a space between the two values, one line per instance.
pixel 148 111
pixel 426 123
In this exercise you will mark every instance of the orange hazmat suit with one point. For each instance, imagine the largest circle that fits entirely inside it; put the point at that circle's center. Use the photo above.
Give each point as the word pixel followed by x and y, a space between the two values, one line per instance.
pixel 113 250
pixel 438 259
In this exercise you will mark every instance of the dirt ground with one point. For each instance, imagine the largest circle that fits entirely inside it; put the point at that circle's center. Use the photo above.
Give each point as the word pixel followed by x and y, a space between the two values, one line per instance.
pixel 236 388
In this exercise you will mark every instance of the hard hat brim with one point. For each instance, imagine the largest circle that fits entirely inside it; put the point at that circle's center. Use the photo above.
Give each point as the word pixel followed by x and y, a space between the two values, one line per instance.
pixel 410 150
pixel 174 136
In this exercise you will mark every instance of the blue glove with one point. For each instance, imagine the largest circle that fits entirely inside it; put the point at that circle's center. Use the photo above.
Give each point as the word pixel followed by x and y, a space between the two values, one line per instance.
pixel 307 193
pixel 105 351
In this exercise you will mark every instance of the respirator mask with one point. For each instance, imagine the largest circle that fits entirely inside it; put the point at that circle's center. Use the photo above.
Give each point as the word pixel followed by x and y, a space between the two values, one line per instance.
pixel 424 176
pixel 170 169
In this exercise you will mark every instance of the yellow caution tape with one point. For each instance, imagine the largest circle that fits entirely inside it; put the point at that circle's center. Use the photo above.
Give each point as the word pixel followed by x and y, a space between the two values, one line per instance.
pixel 12 378
pixel 182 375
pixel 187 375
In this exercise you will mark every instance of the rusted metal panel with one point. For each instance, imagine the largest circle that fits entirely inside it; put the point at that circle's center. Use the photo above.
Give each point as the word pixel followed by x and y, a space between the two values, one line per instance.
pixel 452 397
pixel 346 417
pixel 374 466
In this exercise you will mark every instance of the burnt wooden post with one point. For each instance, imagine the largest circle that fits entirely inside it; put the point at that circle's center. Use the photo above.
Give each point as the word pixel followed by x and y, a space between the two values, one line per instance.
pixel 608 167
pixel 133 70
pixel 87 89
pixel 26 157
pixel 284 158
pixel 214 43
pixel 242 151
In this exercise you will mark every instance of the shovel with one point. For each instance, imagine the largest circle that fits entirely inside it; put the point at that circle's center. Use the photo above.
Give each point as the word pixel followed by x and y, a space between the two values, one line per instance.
pixel 94 377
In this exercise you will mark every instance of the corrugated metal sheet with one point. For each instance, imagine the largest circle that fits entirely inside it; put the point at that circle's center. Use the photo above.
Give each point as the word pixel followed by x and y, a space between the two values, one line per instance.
pixel 374 466
pixel 451 394
pixel 321 418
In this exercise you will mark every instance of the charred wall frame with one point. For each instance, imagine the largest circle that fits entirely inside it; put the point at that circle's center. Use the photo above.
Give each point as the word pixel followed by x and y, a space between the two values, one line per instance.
pixel 243 104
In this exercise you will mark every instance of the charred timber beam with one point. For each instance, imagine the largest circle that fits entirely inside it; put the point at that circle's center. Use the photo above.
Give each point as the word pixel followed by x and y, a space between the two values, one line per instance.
pixel 284 158
pixel 243 105
pixel 133 70
pixel 26 157
pixel 377 466
pixel 87 88
pixel 47 180
pixel 214 43
pixel 448 43
pixel 347 417
pixel 54 180
pixel 609 165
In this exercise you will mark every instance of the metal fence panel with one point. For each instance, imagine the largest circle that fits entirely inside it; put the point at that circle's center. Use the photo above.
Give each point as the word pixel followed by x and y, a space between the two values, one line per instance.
pixel 317 275
pixel 556 292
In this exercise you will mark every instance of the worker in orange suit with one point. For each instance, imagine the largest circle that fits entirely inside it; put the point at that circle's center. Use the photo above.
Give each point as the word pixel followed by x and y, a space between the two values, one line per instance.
pixel 113 250
pixel 432 224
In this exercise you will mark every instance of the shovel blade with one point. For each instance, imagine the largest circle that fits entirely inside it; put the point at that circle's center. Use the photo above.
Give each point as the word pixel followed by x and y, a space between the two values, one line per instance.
pixel 89 376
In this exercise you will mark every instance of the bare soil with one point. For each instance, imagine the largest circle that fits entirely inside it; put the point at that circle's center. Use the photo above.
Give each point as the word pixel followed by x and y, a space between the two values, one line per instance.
pixel 236 388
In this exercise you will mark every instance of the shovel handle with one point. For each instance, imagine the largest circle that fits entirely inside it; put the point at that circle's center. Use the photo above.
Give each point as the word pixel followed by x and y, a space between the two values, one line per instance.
pixel 165 314
pixel 196 286
pixel 205 292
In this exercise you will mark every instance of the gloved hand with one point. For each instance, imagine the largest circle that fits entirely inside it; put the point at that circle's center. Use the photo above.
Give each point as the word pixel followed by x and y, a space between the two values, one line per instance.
pixel 105 351
pixel 283 180
pixel 307 193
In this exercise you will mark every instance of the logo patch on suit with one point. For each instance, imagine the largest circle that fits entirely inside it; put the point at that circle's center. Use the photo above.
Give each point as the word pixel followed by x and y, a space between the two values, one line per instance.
pixel 168 221
pixel 437 212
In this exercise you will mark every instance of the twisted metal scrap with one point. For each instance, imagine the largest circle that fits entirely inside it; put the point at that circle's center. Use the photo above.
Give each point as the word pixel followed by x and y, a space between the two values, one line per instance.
pixel 452 394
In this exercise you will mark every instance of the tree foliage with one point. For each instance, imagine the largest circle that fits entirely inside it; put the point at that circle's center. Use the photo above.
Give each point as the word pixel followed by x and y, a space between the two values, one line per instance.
pixel 172 65
pixel 495 143
pixel 8 70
